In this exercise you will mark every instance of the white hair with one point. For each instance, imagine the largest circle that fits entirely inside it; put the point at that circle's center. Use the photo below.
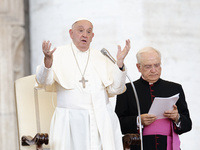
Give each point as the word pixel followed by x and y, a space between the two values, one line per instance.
pixel 146 49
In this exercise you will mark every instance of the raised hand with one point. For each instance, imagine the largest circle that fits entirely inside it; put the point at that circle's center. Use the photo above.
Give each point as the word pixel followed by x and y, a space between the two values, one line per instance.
pixel 121 54
pixel 48 53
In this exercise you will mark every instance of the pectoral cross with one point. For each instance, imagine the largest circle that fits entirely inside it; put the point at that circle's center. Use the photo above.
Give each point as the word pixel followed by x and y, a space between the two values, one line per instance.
pixel 83 81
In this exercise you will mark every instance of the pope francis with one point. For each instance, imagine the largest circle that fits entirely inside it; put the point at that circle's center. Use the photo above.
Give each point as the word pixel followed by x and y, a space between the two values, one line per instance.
pixel 84 80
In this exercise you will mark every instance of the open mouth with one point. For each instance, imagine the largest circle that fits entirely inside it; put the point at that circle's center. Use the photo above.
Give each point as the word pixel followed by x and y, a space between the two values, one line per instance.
pixel 84 41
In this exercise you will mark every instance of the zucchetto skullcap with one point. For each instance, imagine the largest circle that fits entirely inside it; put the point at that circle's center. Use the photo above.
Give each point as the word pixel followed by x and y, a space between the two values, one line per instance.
pixel 80 19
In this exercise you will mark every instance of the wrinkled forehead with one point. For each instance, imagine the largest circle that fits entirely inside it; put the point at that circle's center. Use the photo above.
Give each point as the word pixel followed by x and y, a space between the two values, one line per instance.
pixel 148 53
pixel 150 58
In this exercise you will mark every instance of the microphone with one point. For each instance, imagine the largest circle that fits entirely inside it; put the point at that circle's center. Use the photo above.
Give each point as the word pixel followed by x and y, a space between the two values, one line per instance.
pixel 107 54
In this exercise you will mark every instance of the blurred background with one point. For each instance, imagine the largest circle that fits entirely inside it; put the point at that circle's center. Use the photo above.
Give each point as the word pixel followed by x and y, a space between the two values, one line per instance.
pixel 172 27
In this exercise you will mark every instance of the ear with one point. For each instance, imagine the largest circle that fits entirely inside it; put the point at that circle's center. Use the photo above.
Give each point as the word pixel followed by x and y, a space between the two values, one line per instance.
pixel 138 67
pixel 70 33
pixel 92 36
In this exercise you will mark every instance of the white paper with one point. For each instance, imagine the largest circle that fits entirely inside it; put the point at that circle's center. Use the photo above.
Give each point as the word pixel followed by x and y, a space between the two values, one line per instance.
pixel 160 105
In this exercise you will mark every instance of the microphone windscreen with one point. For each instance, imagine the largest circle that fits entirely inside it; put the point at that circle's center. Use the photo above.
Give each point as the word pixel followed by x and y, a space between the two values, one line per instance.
pixel 104 51
pixel 107 54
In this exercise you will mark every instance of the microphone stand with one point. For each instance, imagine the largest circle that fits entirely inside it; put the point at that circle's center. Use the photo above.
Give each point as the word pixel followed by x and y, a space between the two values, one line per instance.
pixel 107 54
pixel 138 109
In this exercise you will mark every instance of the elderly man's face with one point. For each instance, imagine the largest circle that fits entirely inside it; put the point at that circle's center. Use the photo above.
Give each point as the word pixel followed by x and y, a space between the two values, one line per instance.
pixel 150 66
pixel 82 34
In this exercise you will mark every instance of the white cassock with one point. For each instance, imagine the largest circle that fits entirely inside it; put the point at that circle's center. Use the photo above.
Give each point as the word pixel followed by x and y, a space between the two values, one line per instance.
pixel 84 118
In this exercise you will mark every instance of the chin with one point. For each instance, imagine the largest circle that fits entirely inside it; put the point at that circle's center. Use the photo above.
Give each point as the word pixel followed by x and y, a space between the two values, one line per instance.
pixel 154 80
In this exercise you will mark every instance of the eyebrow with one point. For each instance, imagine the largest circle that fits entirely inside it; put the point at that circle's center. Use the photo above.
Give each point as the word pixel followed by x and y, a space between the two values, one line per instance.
pixel 84 28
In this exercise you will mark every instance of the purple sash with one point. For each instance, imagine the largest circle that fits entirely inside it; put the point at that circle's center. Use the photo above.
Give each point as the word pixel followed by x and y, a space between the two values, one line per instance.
pixel 164 127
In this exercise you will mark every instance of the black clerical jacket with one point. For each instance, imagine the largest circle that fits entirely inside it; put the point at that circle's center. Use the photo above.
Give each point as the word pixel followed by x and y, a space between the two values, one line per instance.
pixel 126 107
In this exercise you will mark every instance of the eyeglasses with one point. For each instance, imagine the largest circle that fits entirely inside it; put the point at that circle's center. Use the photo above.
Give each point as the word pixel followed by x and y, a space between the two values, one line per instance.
pixel 149 67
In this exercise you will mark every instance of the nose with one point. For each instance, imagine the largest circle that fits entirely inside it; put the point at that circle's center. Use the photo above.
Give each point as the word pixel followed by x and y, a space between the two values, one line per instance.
pixel 153 68
pixel 85 34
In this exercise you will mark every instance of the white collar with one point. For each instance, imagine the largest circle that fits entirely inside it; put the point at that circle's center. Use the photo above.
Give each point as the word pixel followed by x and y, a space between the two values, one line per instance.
pixel 76 50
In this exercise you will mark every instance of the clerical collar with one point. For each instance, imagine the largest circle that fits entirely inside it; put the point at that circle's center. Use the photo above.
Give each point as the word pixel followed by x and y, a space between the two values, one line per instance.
pixel 76 50
pixel 149 82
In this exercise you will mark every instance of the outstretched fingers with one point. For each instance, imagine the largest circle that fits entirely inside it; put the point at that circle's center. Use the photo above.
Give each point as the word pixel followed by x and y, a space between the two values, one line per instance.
pixel 127 47
pixel 124 52
pixel 46 47
pixel 121 54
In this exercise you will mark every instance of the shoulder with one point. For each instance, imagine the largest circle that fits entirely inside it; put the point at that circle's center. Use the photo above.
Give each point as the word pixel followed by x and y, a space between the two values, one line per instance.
pixel 170 83
pixel 97 56
pixel 96 52
pixel 63 47
pixel 129 85
pixel 61 50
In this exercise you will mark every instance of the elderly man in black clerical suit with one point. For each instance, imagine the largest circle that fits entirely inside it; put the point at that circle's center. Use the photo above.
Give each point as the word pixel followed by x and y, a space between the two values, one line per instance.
pixel 158 134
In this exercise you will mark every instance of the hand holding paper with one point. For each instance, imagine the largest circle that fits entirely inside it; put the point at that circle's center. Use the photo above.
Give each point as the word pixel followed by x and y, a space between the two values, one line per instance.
pixel 173 114
pixel 160 105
